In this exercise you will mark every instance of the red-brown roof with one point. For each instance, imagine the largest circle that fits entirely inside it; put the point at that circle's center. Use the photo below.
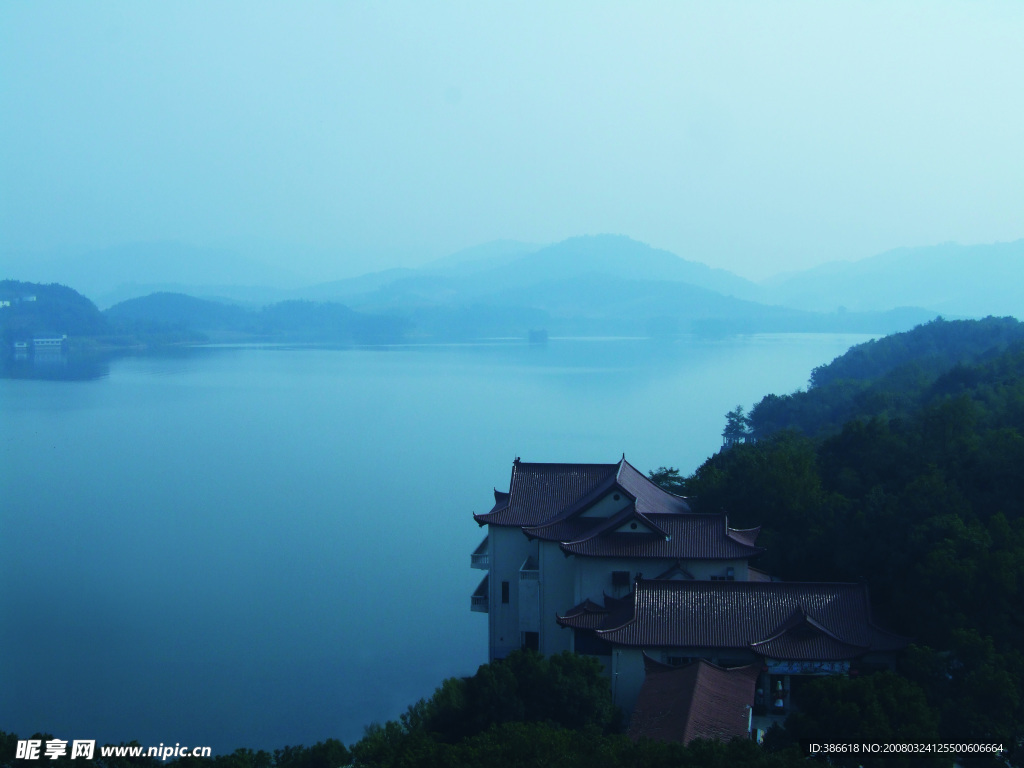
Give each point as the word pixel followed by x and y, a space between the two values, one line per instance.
pixel 538 492
pixel 759 616
pixel 804 638
pixel 700 700
pixel 551 494
pixel 590 615
pixel 684 537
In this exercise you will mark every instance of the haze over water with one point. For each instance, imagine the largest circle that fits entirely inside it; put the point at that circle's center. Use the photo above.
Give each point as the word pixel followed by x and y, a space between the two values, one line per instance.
pixel 268 546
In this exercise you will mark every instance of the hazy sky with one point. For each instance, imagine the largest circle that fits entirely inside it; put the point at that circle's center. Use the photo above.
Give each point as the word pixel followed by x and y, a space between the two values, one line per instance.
pixel 341 137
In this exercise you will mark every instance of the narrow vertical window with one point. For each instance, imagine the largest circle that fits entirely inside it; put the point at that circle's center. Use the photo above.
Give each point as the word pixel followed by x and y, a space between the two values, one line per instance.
pixel 504 591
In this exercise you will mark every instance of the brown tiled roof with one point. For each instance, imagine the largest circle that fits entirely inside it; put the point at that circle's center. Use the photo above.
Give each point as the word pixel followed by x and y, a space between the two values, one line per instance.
pixel 590 615
pixel 562 506
pixel 700 700
pixel 650 498
pixel 745 535
pixel 538 492
pixel 686 537
pixel 566 530
pixel 754 615
pixel 586 615
pixel 804 638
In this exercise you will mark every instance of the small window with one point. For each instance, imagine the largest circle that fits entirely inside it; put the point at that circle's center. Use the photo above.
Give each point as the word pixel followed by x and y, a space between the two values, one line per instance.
pixel 616 497
pixel 504 591
pixel 531 641
pixel 620 578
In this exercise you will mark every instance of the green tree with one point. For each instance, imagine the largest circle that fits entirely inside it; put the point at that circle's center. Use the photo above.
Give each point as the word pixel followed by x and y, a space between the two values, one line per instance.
pixel 879 708
pixel 737 426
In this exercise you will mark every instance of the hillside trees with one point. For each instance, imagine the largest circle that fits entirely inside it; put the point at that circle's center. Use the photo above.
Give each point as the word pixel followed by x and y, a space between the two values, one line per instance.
pixel 920 494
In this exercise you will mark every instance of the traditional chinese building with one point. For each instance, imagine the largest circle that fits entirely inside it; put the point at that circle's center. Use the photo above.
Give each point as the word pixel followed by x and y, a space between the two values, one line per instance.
pixel 597 559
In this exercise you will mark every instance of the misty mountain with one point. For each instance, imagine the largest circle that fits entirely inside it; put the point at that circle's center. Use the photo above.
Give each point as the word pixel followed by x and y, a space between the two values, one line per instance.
pixel 292 320
pixel 597 285
pixel 483 256
pixel 592 285
pixel 952 279
pixel 621 257
pixel 105 274
pixel 476 273
pixel 29 309
pixel 181 311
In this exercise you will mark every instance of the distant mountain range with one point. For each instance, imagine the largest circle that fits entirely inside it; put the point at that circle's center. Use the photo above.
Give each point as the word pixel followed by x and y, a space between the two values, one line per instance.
pixel 962 280
pixel 604 284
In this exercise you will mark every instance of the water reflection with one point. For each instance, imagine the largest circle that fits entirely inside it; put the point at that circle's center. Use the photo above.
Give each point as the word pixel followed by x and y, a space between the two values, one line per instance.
pixel 54 365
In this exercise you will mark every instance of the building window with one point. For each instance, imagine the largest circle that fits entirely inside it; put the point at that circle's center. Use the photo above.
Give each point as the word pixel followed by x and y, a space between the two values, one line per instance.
pixel 504 591
pixel 620 578
pixel 531 641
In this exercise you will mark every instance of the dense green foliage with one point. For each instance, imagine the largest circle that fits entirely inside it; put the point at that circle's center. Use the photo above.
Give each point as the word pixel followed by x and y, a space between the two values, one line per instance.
pixel 920 494
pixel 528 710
pixel 325 754
pixel 523 711
pixel 883 708
pixel 886 377
pixel 55 309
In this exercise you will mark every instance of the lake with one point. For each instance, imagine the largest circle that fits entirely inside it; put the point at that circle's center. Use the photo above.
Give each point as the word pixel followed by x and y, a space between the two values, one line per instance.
pixel 262 546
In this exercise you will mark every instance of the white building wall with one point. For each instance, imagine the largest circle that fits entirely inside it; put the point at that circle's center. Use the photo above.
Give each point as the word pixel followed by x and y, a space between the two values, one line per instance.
pixel 509 548
pixel 594 575
pixel 609 505
pixel 557 579
pixel 529 604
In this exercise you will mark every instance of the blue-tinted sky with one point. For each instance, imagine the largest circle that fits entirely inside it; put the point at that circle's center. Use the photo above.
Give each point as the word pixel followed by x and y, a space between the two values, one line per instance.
pixel 341 137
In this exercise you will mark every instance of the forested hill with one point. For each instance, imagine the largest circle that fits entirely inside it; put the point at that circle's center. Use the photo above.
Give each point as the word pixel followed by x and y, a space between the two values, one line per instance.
pixel 293 320
pixel 29 309
pixel 33 309
pixel 920 494
pixel 884 377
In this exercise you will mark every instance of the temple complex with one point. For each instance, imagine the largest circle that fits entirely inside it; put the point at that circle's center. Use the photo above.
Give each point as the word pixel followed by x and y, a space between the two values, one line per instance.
pixel 596 559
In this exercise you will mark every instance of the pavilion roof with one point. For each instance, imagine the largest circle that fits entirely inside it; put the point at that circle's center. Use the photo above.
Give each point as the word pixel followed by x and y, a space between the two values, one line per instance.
pixel 701 700
pixel 591 615
pixel 671 536
pixel 798 620
pixel 542 495
pixel 538 492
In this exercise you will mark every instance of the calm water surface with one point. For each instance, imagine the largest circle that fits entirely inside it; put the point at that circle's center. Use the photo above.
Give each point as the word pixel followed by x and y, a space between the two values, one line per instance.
pixel 260 547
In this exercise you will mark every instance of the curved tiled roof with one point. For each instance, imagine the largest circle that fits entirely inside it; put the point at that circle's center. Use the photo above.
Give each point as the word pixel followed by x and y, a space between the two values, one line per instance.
pixel 679 537
pixel 804 638
pixel 752 615
pixel 538 492
pixel 590 615
pixel 586 615
pixel 546 499
pixel 745 535
pixel 699 701
pixel 650 497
